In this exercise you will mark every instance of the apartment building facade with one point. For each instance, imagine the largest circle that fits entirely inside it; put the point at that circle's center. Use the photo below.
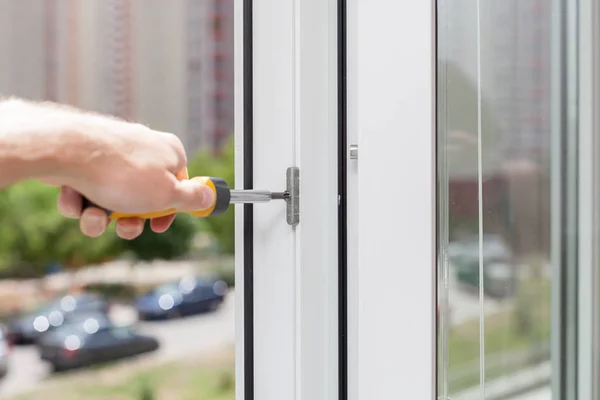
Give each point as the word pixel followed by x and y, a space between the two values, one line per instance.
pixel 166 64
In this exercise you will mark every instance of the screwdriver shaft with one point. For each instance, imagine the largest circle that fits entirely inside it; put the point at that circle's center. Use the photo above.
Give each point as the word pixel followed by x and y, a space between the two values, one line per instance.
pixel 255 196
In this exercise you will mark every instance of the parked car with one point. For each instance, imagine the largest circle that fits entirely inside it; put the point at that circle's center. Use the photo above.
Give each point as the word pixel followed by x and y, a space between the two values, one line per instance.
pixel 499 272
pixel 88 321
pixel 187 296
pixel 27 327
pixel 79 345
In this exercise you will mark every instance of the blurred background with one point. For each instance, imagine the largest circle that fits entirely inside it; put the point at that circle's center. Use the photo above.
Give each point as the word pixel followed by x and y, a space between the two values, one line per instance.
pixel 105 318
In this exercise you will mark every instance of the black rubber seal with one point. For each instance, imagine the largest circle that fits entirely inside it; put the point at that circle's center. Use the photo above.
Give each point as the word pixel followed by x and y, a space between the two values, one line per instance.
pixel 248 209
pixel 342 196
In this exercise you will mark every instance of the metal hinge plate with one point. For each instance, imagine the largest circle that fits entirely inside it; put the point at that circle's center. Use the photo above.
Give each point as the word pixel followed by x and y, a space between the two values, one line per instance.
pixel 293 198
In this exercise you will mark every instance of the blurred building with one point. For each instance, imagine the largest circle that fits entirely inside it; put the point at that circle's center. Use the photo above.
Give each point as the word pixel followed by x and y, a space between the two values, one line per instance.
pixel 515 78
pixel 166 64
pixel 521 40
pixel 512 42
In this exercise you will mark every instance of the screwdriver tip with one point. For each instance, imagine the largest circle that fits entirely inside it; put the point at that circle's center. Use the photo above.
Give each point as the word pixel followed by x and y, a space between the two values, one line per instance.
pixel 280 195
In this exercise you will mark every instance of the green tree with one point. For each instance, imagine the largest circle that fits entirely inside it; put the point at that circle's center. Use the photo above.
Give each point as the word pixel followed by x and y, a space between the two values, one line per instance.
pixel 172 244
pixel 207 164
pixel 33 234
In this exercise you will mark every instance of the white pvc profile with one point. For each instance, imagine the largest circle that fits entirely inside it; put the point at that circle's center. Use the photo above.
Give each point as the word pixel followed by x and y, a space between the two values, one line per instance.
pixel 295 268
pixel 392 95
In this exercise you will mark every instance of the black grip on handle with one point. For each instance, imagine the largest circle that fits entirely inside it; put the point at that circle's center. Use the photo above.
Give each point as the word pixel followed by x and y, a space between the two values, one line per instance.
pixel 223 194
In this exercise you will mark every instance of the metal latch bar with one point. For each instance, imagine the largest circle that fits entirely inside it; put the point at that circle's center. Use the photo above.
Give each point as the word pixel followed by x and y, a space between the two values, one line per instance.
pixel 292 196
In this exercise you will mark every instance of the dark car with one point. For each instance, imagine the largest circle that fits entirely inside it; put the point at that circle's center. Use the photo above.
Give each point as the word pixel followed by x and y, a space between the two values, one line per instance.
pixel 88 321
pixel 27 327
pixel 79 345
pixel 499 272
pixel 187 296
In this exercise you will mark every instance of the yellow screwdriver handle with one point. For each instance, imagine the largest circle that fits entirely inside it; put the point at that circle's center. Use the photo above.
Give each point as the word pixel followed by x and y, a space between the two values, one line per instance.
pixel 221 192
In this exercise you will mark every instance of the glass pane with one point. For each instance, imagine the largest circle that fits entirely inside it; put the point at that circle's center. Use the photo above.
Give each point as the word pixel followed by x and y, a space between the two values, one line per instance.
pixel 495 108
pixel 168 65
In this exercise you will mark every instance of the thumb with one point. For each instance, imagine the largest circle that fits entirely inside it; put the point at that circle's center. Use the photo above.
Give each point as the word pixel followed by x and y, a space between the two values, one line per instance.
pixel 191 195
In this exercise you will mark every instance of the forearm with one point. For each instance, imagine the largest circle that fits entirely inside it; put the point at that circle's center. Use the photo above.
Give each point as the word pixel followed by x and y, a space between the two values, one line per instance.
pixel 33 142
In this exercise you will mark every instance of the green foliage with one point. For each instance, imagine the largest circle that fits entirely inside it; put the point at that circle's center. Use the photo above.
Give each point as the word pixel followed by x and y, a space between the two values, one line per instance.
pixel 207 378
pixel 34 235
pixel 147 391
pixel 170 245
pixel 226 382
pixel 221 166
pixel 532 298
pixel 113 291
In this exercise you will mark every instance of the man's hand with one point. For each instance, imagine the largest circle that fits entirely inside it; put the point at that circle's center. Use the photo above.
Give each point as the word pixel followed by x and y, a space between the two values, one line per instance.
pixel 118 165
pixel 130 168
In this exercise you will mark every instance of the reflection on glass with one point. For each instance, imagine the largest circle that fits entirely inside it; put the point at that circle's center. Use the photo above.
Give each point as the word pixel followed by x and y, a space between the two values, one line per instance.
pixel 494 198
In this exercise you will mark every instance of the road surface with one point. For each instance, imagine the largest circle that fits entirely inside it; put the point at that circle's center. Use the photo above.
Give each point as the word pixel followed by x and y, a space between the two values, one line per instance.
pixel 178 338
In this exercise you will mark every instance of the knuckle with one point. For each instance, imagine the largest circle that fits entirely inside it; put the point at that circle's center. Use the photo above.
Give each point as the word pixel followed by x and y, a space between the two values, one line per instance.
pixel 176 144
pixel 174 141
pixel 139 127
pixel 175 152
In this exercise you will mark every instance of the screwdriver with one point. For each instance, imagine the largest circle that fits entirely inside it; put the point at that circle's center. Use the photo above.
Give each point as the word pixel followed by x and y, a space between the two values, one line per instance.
pixel 223 197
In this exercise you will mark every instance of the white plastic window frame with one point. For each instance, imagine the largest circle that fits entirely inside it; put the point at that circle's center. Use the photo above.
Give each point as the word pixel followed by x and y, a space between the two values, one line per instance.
pixel 286 115
pixel 391 88
pixel 392 200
